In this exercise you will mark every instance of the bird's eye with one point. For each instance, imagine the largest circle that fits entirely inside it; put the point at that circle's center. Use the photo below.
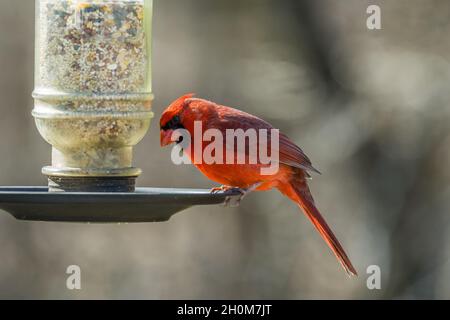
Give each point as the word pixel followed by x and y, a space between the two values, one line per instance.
pixel 174 123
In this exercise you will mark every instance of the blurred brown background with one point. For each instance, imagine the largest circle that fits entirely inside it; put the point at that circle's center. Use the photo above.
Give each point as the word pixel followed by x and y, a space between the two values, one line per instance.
pixel 371 109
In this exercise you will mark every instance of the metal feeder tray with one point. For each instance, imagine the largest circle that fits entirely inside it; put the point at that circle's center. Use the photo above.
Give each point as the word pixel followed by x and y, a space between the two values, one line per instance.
pixel 143 205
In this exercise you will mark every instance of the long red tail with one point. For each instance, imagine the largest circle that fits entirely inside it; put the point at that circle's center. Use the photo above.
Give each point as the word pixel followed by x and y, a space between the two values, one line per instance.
pixel 298 191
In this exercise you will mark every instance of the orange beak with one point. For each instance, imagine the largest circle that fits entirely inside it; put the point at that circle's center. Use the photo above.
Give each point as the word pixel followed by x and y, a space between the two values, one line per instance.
pixel 166 137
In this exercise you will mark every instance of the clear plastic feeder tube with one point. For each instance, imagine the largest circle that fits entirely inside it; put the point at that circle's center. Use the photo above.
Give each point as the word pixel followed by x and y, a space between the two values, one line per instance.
pixel 93 91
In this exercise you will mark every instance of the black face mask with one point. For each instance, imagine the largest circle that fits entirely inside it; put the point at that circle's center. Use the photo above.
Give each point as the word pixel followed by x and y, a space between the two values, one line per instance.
pixel 173 124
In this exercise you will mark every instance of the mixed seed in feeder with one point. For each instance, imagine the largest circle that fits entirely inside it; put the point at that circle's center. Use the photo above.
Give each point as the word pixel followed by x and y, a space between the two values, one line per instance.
pixel 92 46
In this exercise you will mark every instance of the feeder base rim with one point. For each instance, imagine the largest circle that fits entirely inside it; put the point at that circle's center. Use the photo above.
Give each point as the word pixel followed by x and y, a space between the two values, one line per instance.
pixel 68 172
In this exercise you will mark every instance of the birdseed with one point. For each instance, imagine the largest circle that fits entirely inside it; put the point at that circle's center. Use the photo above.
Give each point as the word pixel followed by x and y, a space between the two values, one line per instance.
pixel 93 47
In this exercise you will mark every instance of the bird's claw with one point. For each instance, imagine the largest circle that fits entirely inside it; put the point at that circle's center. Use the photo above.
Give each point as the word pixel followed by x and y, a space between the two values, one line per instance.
pixel 223 189
pixel 218 189
pixel 235 201
pixel 230 201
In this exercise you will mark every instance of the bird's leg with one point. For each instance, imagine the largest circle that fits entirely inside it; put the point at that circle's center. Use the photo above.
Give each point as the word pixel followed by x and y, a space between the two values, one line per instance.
pixel 225 188
pixel 222 188
pixel 244 193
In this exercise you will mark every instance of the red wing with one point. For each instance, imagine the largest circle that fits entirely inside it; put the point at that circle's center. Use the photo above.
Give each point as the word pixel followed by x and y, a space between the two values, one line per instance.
pixel 229 118
pixel 292 155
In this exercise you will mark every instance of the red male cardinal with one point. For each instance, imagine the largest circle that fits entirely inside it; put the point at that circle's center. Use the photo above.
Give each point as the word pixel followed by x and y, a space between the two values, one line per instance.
pixel 290 179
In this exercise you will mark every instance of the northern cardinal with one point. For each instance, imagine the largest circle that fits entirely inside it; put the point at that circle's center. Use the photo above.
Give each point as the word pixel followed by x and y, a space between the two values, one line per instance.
pixel 290 179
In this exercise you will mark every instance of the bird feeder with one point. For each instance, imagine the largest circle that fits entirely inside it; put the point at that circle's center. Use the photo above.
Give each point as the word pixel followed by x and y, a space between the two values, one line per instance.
pixel 93 93
pixel 93 104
